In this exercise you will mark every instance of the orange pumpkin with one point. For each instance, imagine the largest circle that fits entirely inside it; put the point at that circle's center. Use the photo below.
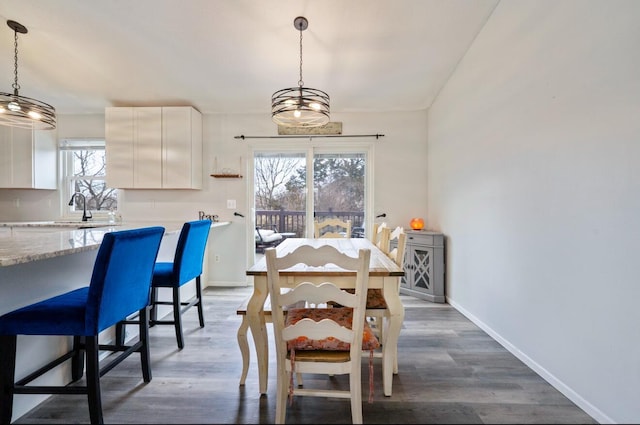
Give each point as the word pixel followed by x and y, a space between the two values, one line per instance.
pixel 417 223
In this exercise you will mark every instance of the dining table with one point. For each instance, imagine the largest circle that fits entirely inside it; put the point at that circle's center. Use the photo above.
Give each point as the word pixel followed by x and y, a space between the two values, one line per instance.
pixel 384 274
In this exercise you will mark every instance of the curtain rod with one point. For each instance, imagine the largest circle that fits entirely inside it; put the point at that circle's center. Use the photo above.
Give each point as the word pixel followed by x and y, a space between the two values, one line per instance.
pixel 309 136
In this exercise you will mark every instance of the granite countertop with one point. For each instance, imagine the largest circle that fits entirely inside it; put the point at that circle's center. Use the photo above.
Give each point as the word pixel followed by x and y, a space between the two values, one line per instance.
pixel 25 242
pixel 70 224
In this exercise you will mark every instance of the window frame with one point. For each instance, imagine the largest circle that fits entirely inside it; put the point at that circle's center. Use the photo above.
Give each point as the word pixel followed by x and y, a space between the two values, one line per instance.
pixel 65 151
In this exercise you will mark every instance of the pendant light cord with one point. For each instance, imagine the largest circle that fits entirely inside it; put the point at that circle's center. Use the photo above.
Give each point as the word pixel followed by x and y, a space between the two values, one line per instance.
pixel 300 81
pixel 15 86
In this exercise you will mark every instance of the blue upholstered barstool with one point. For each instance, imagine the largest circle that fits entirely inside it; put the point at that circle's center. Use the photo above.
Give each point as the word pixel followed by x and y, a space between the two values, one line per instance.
pixel 186 266
pixel 120 286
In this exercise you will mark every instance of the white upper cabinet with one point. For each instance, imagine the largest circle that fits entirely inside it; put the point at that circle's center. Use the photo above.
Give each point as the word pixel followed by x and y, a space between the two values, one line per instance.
pixel 28 158
pixel 181 148
pixel 154 147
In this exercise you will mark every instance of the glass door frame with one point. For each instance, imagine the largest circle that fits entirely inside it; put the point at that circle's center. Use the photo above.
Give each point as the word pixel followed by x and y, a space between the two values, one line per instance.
pixel 309 148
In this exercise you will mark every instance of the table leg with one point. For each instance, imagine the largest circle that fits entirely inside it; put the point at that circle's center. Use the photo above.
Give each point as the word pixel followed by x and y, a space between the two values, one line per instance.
pixel 255 316
pixel 244 347
pixel 390 343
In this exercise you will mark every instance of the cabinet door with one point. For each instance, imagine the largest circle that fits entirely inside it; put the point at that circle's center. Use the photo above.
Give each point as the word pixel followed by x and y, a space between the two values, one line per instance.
pixel 22 158
pixel 17 147
pixel 147 151
pixel 119 136
pixel 422 270
pixel 45 159
pixel 418 269
pixel 181 148
pixel 196 149
pixel 6 153
pixel 27 159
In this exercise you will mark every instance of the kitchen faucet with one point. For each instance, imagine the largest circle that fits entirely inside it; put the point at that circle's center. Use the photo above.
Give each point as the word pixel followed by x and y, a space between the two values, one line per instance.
pixel 85 217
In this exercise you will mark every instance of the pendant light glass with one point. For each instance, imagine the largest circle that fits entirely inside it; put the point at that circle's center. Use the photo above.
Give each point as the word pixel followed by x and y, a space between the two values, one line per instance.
pixel 20 111
pixel 300 106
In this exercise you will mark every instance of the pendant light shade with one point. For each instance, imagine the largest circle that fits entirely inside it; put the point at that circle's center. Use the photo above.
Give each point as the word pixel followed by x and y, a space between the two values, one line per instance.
pixel 21 111
pixel 300 106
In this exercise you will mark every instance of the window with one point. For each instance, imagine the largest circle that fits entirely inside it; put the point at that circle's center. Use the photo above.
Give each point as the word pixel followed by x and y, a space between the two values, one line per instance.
pixel 84 171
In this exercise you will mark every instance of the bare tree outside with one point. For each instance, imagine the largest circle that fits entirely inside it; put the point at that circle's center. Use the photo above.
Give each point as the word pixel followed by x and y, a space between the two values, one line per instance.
pixel 88 178
pixel 271 176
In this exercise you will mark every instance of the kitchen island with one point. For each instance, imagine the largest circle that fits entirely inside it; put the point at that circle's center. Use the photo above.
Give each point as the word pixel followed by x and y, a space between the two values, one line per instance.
pixel 39 260
pixel 25 242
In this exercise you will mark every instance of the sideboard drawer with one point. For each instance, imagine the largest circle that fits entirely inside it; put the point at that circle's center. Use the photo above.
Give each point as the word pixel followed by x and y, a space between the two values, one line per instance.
pixel 425 238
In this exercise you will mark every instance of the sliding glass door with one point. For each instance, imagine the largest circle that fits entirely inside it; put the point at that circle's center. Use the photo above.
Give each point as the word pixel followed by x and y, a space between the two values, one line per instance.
pixel 293 186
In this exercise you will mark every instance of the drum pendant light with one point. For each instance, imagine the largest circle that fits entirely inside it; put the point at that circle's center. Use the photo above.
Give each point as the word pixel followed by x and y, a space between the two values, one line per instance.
pixel 300 106
pixel 21 111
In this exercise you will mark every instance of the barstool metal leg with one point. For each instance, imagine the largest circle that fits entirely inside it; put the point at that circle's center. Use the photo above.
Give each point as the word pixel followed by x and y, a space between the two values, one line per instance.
pixel 154 306
pixel 145 356
pixel 199 295
pixel 7 376
pixel 77 361
pixel 177 313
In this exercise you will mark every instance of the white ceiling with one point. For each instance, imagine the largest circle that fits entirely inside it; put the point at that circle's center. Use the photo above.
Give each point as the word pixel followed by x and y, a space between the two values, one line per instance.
pixel 229 56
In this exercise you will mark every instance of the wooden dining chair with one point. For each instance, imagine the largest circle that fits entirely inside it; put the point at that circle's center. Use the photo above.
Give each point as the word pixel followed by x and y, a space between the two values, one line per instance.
pixel 319 339
pixel 379 237
pixel 332 228
pixel 375 301
pixel 377 310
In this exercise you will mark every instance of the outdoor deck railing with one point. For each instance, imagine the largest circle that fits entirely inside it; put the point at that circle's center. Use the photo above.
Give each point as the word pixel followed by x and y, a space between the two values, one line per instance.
pixel 294 221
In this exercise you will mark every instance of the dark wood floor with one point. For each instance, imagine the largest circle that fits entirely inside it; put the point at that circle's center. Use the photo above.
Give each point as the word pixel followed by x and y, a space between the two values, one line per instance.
pixel 450 371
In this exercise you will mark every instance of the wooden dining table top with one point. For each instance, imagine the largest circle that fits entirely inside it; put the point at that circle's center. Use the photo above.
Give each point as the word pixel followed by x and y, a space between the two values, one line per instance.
pixel 380 264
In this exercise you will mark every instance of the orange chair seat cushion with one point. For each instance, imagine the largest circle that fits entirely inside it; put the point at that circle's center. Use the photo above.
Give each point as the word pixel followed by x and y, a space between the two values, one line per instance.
pixel 341 315
pixel 375 299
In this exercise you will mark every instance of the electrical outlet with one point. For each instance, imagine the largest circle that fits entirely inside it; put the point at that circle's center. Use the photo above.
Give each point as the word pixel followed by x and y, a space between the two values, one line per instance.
pixel 231 204
pixel 216 258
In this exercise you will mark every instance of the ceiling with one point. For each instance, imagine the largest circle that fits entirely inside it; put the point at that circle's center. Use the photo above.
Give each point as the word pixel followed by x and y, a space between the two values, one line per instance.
pixel 229 56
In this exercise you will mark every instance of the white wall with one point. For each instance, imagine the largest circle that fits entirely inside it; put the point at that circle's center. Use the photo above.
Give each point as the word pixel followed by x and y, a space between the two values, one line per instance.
pixel 399 175
pixel 534 154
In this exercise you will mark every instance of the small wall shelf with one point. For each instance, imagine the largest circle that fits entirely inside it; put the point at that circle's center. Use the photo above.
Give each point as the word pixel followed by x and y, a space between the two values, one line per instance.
pixel 227 176
pixel 226 173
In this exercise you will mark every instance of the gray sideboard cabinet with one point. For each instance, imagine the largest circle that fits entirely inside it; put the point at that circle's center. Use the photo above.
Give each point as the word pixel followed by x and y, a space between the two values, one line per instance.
pixel 424 266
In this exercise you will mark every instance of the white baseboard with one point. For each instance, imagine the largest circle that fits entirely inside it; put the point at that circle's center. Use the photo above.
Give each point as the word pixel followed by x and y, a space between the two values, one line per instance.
pixel 232 284
pixel 590 409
